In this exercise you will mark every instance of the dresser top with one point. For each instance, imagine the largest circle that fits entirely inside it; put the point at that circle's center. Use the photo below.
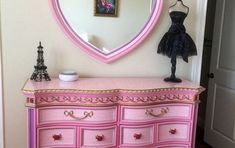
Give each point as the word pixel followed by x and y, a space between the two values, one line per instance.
pixel 108 84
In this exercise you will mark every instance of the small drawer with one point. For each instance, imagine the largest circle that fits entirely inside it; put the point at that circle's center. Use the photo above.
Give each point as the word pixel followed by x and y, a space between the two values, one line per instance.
pixel 79 115
pixel 98 137
pixel 137 135
pixel 173 132
pixel 56 137
pixel 155 112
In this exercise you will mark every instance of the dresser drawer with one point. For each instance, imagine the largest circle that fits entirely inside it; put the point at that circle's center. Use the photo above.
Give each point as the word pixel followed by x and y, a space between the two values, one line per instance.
pixel 77 114
pixel 173 146
pixel 137 135
pixel 56 137
pixel 98 137
pixel 173 132
pixel 151 113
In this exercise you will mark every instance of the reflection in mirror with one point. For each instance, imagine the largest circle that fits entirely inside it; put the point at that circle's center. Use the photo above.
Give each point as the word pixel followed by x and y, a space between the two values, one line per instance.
pixel 107 38
pixel 106 33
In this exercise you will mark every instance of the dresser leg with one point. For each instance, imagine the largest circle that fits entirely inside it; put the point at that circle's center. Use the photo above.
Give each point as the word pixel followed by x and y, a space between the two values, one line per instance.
pixel 31 134
pixel 195 125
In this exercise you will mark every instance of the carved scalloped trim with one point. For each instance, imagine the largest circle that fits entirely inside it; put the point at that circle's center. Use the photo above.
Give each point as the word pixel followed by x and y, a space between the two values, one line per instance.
pixel 109 101
pixel 199 90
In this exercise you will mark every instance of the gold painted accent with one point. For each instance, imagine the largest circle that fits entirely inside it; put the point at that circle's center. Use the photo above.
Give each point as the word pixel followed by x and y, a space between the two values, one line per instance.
pixel 115 100
pixel 111 104
pixel 71 114
pixel 30 105
pixel 200 89
pixel 162 112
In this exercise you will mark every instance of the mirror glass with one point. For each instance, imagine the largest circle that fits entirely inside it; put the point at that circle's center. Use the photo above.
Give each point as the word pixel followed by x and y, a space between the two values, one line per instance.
pixel 107 37
pixel 106 33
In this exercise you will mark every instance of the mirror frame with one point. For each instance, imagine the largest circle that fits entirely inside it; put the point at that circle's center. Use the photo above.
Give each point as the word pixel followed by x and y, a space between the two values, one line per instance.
pixel 156 6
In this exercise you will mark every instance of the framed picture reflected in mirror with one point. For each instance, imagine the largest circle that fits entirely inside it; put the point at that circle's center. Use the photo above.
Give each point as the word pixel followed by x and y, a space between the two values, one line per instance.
pixel 106 8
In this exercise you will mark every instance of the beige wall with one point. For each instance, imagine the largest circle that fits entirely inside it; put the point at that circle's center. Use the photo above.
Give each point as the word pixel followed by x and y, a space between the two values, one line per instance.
pixel 24 23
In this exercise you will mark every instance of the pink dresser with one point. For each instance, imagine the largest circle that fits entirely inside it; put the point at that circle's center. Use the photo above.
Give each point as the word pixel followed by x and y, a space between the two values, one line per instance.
pixel 111 113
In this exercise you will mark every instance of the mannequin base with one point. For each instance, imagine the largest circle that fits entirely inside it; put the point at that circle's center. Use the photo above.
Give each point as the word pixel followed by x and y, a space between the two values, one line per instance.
pixel 173 79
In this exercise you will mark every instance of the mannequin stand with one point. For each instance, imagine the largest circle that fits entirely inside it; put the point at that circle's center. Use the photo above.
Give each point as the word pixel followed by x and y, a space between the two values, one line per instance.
pixel 173 78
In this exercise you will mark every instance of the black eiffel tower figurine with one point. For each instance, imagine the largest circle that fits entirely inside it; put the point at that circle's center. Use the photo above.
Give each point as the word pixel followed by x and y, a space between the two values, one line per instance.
pixel 40 71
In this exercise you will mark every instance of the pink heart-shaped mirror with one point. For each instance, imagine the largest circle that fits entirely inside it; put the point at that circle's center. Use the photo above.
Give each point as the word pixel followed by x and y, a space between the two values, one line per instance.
pixel 107 29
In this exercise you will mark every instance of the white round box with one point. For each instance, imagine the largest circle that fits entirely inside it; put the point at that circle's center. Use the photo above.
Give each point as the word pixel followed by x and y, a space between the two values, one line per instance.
pixel 68 76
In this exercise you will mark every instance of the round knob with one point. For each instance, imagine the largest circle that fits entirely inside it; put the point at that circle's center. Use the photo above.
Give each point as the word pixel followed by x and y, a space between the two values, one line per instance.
pixel 99 137
pixel 137 135
pixel 211 75
pixel 57 137
pixel 172 131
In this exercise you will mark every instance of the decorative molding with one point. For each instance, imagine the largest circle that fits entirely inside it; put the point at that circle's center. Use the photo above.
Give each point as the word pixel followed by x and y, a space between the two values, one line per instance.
pixel 48 97
pixel 200 89
pixel 110 101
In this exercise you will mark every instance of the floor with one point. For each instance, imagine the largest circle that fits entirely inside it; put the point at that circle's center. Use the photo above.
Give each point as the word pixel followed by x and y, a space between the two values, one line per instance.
pixel 199 140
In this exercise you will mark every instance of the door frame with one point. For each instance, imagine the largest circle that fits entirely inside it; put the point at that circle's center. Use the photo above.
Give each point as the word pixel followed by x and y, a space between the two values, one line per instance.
pixel 199 40
pixel 1 102
pixel 2 144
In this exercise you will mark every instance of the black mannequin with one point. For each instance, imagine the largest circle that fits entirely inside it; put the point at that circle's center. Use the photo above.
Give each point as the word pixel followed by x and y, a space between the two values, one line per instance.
pixel 179 6
pixel 176 42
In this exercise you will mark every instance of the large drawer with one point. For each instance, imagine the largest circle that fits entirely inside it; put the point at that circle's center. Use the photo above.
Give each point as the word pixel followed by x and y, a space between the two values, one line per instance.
pixel 137 135
pixel 77 115
pixel 156 112
pixel 98 137
pixel 56 137
pixel 173 132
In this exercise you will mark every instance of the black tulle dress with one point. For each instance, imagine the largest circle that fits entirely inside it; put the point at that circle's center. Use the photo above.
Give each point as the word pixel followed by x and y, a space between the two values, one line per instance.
pixel 176 42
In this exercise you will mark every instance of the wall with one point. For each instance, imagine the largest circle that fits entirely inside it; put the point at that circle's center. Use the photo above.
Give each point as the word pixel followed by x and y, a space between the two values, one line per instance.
pixel 1 99
pixel 25 23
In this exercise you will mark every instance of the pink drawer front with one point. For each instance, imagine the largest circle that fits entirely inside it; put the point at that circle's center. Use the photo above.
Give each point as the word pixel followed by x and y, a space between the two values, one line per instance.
pixel 174 132
pixel 78 115
pixel 137 135
pixel 173 146
pixel 98 137
pixel 56 137
pixel 155 112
